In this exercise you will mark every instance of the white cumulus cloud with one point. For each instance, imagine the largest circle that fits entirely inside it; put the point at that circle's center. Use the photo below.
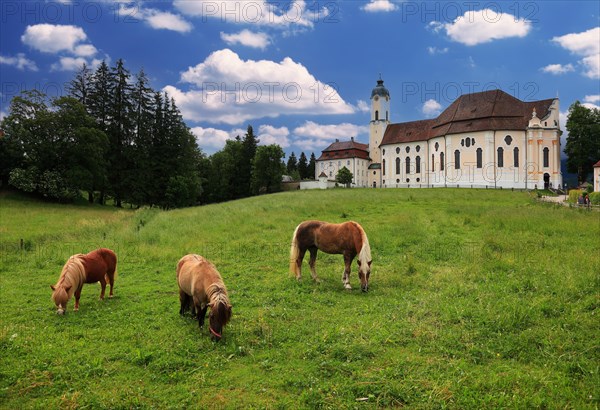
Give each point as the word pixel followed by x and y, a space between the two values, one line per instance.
pixel 592 98
pixel 247 38
pixel 157 19
pixel 256 12
pixel 374 6
pixel 587 45
pixel 431 108
pixel 268 134
pixel 482 26
pixel 227 89
pixel 558 68
pixel 19 61
pixel 330 132
pixel 53 38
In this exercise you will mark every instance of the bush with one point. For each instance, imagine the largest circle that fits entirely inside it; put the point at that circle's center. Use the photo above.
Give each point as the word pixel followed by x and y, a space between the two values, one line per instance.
pixel 595 198
pixel 574 195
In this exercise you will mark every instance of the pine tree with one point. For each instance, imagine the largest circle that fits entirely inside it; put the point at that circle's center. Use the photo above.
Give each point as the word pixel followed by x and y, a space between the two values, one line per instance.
pixel 99 98
pixel 292 164
pixel 312 164
pixel 249 146
pixel 80 86
pixel 120 131
pixel 303 166
pixel 140 181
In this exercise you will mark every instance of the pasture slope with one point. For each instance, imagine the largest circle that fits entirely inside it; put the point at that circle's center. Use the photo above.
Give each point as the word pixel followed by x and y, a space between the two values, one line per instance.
pixel 478 299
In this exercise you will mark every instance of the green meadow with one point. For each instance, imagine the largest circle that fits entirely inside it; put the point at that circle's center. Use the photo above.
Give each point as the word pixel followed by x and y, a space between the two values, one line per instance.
pixel 477 299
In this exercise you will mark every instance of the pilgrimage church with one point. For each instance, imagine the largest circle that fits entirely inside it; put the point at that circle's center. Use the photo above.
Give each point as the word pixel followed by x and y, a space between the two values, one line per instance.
pixel 482 140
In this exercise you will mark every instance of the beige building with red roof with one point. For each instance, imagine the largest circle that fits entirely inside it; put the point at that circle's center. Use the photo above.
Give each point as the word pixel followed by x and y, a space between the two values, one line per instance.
pixel 597 177
pixel 485 139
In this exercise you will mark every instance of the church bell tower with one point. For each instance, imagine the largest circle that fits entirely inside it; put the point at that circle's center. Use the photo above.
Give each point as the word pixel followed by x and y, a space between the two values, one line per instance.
pixel 380 119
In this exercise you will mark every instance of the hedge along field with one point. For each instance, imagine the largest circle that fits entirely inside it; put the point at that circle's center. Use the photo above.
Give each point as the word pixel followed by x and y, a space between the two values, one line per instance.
pixel 477 299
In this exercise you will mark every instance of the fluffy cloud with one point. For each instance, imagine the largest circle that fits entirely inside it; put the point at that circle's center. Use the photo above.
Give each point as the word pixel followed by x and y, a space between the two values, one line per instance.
pixel 587 45
pixel 592 98
pixel 330 132
pixel 257 12
pixel 210 139
pixel 482 26
pixel 379 6
pixel 20 62
pixel 51 38
pixel 268 134
pixel 70 42
pixel 363 106
pixel 247 38
pixel 160 20
pixel 431 108
pixel 227 89
pixel 558 68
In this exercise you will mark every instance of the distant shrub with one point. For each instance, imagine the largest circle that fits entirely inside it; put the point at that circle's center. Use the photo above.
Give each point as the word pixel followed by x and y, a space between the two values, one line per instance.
pixel 595 198
pixel 574 195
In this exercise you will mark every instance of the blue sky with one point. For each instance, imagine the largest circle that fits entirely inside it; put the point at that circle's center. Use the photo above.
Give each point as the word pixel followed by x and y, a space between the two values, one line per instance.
pixel 301 72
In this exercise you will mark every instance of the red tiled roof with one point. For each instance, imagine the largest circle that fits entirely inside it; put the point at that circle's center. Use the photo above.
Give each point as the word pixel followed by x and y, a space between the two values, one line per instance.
pixel 597 164
pixel 488 110
pixel 344 150
pixel 347 145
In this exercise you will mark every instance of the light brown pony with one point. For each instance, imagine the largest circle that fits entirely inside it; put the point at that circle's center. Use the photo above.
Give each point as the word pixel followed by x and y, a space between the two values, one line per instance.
pixel 201 287
pixel 348 239
pixel 97 266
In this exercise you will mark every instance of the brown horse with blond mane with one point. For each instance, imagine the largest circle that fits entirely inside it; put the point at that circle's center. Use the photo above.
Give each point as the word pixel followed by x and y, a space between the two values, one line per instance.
pixel 348 239
pixel 97 266
pixel 201 287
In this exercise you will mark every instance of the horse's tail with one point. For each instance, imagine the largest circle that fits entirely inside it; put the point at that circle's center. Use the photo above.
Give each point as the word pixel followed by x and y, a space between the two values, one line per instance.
pixel 294 252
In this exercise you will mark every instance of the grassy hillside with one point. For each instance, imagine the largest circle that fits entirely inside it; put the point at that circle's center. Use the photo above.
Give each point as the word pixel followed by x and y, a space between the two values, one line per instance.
pixel 478 299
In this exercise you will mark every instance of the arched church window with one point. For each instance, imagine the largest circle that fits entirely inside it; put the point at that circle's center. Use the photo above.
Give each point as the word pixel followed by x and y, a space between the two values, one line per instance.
pixel 516 157
pixel 407 165
pixel 508 140
pixel 479 158
pixel 383 152
pixel 383 166
pixel 457 159
pixel 407 150
pixel 397 165
pixel 397 150
pixel 500 157
pixel 376 115
pixel 437 146
pixel 432 162
pixel 468 142
pixel 418 165
pixel 418 148
pixel 546 157
pixel 442 161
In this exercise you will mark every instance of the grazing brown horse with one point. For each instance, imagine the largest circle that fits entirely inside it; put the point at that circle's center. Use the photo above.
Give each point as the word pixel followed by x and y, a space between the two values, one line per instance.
pixel 201 287
pixel 348 239
pixel 97 266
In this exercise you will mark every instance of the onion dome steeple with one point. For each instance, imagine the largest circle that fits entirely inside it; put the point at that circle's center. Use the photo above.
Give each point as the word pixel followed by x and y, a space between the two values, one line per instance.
pixel 380 90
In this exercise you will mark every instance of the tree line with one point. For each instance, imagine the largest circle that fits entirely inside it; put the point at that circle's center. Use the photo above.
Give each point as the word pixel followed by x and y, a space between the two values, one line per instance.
pixel 114 137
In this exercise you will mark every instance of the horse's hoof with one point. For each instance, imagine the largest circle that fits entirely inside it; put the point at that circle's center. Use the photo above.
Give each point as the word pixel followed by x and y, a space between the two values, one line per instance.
pixel 348 287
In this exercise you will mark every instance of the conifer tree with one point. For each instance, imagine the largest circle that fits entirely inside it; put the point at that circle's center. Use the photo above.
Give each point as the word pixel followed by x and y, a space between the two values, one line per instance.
pixel 303 166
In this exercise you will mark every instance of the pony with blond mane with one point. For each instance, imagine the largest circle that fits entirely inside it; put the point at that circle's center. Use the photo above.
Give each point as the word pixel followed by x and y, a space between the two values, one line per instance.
pixel 97 266
pixel 201 287
pixel 348 239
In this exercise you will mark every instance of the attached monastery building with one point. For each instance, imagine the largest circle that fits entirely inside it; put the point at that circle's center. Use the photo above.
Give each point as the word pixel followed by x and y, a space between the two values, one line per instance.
pixel 485 139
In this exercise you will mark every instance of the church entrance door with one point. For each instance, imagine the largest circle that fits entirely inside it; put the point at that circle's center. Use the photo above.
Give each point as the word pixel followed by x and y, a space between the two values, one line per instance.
pixel 546 180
